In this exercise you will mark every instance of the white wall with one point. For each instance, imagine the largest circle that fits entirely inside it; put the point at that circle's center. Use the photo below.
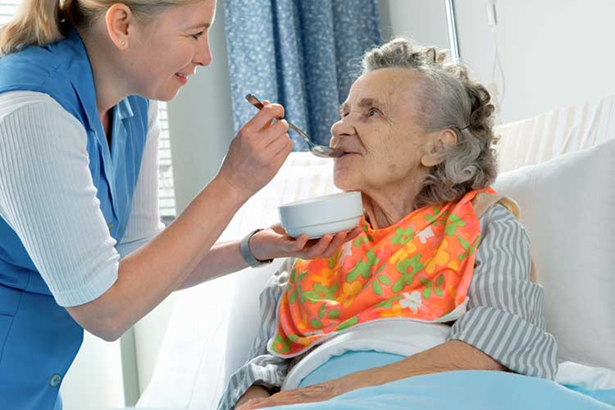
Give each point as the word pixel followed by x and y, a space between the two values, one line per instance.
pixel 200 121
pixel 553 52
pixel 421 20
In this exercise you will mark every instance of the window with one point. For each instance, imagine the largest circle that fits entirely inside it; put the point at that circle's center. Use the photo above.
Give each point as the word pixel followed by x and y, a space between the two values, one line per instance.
pixel 166 189
pixel 7 9
pixel 165 171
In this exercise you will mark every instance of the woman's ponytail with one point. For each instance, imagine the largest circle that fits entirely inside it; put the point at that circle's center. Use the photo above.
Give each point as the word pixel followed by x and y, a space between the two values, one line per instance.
pixel 37 22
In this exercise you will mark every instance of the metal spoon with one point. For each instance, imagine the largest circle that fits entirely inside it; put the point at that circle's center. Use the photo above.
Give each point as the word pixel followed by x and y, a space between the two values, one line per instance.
pixel 316 149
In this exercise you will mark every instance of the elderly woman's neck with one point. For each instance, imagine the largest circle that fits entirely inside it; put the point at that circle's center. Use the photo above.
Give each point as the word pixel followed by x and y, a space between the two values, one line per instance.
pixel 387 207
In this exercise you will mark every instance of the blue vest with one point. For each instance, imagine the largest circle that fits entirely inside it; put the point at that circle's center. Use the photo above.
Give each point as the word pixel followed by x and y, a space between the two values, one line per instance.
pixel 39 339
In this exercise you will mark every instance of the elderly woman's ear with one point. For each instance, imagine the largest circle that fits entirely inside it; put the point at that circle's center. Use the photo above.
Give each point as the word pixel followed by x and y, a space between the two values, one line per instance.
pixel 436 147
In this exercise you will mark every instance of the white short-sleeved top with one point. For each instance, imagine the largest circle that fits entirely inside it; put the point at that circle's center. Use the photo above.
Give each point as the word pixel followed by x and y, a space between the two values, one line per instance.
pixel 78 265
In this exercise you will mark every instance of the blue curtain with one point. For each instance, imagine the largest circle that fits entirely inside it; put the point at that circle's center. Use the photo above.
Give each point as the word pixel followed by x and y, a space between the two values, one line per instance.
pixel 303 54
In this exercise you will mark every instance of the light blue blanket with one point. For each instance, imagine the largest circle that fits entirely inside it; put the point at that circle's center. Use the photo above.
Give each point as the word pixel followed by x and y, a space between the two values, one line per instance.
pixel 461 390
pixel 458 390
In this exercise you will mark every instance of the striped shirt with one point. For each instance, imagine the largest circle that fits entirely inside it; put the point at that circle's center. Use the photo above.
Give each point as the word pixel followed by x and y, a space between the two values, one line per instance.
pixel 504 318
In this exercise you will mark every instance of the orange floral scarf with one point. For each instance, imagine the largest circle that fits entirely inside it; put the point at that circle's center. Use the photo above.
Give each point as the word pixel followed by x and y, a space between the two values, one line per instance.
pixel 419 268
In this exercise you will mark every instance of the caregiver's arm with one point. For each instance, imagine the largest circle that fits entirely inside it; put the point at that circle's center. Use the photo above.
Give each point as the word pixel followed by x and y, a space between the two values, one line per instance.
pixel 50 201
pixel 270 243
pixel 223 258
pixel 149 274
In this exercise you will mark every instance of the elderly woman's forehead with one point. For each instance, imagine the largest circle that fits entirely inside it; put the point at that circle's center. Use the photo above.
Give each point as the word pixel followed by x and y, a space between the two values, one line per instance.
pixel 393 76
pixel 384 84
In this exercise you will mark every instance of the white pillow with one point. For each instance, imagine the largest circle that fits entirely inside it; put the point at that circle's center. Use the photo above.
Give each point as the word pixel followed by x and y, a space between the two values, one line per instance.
pixel 568 208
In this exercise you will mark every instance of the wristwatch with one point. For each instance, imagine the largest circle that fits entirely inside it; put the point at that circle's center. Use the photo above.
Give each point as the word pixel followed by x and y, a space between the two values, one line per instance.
pixel 244 248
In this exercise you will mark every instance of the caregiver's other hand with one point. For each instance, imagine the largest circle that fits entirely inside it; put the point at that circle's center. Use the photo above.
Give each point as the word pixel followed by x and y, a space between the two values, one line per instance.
pixel 257 152
pixel 317 392
pixel 274 242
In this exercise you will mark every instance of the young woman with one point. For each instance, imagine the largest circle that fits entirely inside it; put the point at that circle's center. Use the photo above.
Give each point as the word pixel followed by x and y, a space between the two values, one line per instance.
pixel 81 245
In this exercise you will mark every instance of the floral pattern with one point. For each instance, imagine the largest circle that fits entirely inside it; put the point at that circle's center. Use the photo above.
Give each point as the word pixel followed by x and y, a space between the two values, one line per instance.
pixel 419 268
pixel 412 301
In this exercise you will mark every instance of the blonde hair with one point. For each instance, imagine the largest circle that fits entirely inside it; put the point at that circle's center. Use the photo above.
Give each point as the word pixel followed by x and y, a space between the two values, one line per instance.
pixel 39 22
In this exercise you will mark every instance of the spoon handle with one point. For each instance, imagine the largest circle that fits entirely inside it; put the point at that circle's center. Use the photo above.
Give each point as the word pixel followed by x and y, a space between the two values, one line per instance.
pixel 256 102
pixel 318 150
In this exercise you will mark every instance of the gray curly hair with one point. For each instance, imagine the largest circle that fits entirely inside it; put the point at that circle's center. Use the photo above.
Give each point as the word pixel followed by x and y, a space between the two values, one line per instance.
pixel 448 99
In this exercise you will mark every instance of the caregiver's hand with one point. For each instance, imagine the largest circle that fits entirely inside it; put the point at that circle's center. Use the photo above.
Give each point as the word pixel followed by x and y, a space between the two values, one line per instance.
pixel 257 152
pixel 317 392
pixel 274 243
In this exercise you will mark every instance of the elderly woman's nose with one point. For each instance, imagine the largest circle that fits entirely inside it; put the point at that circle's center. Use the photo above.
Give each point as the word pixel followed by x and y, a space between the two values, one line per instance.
pixel 342 129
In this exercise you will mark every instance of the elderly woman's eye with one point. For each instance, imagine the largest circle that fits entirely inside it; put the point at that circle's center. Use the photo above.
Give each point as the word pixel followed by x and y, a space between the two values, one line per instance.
pixel 197 35
pixel 372 112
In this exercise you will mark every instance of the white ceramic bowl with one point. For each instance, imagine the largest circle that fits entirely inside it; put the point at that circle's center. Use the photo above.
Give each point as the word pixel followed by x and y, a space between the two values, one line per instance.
pixel 321 215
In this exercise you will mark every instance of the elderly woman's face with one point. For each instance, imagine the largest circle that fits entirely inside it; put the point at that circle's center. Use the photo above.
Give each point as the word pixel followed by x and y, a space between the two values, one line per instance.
pixel 380 132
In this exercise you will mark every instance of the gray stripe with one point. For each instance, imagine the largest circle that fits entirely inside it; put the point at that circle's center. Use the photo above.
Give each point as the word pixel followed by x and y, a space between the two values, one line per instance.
pixel 479 322
pixel 536 357
pixel 505 319
pixel 516 358
pixel 530 357
pixel 512 327
pixel 525 308
pixel 550 358
pixel 504 292
pixel 513 342
pixel 498 333
pixel 485 332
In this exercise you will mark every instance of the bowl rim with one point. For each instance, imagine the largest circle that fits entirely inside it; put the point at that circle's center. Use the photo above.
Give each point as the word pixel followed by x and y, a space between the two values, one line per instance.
pixel 308 201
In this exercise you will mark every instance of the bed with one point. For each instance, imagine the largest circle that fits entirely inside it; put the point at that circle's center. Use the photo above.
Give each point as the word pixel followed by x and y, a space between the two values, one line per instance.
pixel 558 166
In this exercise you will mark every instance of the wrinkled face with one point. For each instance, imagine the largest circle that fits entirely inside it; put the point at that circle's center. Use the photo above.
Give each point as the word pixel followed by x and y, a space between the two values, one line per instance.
pixel 380 133
pixel 170 48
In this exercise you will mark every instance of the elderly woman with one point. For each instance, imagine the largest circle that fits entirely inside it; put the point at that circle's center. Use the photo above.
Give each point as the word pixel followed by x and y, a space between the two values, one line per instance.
pixel 439 280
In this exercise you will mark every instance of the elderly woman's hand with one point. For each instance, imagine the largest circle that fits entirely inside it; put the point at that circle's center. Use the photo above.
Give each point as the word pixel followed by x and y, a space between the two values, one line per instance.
pixel 275 243
pixel 254 392
pixel 317 392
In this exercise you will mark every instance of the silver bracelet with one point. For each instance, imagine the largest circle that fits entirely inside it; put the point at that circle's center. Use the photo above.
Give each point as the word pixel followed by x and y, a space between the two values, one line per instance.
pixel 244 248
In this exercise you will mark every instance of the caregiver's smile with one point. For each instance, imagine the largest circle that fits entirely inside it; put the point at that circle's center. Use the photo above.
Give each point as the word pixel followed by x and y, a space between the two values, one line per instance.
pixel 181 40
